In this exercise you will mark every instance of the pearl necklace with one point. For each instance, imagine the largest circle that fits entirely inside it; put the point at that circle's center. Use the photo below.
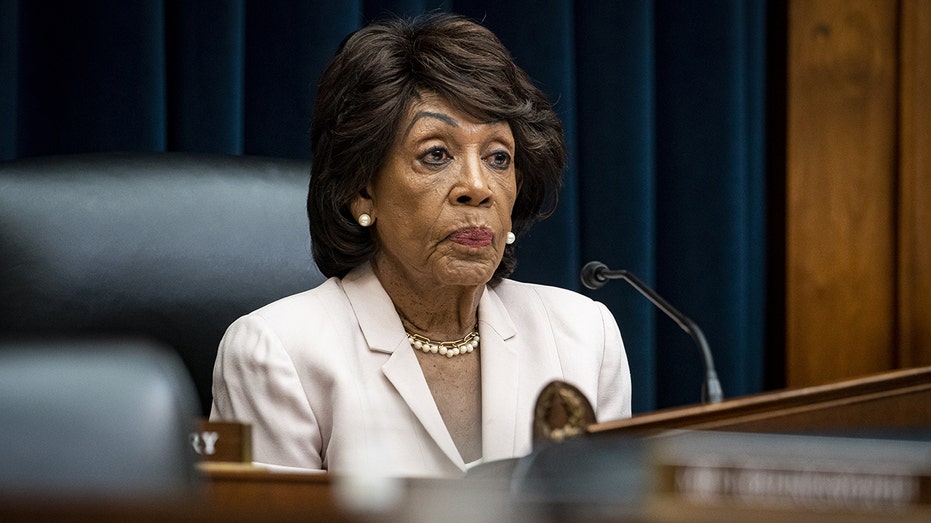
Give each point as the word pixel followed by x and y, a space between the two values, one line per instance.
pixel 446 348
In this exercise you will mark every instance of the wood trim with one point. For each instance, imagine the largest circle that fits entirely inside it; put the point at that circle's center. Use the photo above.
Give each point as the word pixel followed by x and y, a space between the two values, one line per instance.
pixel 245 486
pixel 894 399
pixel 840 189
pixel 914 275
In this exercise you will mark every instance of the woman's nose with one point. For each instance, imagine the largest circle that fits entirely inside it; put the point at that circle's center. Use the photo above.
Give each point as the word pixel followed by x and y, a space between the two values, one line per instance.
pixel 473 186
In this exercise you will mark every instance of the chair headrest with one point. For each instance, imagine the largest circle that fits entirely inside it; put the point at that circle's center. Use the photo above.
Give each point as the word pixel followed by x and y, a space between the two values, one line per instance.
pixel 171 246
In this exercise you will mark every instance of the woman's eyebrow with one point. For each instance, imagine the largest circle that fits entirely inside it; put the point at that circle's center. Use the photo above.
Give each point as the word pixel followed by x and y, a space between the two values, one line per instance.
pixel 428 114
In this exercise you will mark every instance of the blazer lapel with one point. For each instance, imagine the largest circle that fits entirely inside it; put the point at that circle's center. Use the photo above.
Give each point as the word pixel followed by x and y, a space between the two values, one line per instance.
pixel 384 333
pixel 500 380
pixel 403 371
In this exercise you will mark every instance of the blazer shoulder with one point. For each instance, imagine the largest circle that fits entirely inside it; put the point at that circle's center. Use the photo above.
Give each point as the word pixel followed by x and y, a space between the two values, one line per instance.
pixel 525 301
pixel 325 300
pixel 514 292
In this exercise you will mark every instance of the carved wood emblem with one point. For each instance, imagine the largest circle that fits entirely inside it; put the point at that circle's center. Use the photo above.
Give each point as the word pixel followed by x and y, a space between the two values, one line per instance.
pixel 561 412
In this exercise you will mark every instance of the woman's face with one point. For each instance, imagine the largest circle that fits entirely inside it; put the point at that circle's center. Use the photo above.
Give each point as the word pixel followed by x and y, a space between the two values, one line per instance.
pixel 442 202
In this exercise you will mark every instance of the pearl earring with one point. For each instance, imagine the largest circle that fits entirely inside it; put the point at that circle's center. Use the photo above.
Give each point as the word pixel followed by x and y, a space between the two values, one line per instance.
pixel 511 238
pixel 365 220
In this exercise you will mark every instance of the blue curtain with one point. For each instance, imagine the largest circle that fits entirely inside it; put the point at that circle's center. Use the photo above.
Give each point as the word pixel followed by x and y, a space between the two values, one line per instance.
pixel 664 104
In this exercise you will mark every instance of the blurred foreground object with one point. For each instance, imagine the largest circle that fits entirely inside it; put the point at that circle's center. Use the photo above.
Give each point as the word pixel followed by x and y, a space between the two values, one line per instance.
pixel 95 419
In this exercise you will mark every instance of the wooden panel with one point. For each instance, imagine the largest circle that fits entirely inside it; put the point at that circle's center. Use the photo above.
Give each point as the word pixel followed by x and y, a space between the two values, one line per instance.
pixel 897 399
pixel 280 493
pixel 915 186
pixel 841 169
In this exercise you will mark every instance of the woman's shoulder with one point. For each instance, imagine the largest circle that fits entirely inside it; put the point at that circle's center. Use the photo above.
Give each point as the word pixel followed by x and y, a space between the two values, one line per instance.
pixel 533 307
pixel 293 320
pixel 555 301
pixel 325 299
pixel 517 290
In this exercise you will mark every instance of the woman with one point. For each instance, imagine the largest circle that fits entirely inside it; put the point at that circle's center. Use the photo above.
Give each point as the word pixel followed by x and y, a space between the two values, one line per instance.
pixel 432 153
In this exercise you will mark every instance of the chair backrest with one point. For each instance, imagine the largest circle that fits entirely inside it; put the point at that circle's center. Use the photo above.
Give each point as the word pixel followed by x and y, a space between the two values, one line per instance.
pixel 167 246
pixel 102 419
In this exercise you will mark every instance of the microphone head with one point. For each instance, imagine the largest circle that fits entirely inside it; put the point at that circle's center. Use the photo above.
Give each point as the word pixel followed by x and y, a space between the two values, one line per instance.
pixel 591 275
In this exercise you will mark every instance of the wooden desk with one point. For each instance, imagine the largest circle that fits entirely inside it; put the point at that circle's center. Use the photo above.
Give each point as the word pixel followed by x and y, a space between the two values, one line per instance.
pixel 272 496
pixel 234 493
pixel 900 399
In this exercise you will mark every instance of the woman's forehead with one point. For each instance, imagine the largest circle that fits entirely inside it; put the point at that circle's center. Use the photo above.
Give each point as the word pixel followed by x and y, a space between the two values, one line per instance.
pixel 431 108
pixel 468 110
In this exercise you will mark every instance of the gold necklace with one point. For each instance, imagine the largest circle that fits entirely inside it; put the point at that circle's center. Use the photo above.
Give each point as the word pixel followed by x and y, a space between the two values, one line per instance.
pixel 464 345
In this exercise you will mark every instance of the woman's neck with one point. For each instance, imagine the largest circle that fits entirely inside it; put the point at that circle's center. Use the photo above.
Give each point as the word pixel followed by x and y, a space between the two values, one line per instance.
pixel 436 311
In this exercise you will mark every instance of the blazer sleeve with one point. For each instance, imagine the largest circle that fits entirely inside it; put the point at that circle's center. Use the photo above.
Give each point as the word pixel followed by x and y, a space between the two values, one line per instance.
pixel 255 382
pixel 614 385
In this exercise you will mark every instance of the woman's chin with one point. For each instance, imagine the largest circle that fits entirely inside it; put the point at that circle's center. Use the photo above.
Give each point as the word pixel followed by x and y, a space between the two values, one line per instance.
pixel 467 273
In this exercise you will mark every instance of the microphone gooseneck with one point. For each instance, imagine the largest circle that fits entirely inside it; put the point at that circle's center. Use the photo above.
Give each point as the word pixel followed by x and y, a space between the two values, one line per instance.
pixel 595 275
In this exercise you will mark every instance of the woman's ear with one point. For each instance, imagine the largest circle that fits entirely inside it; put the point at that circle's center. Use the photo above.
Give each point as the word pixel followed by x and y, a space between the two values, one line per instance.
pixel 362 204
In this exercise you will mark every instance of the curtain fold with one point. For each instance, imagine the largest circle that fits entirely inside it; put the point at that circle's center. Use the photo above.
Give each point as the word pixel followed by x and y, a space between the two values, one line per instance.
pixel 663 101
pixel 9 75
pixel 205 47
pixel 705 170
pixel 91 77
pixel 616 153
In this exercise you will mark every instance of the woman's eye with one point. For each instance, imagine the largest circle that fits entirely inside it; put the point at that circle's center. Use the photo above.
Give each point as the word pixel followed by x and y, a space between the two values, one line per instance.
pixel 435 156
pixel 499 160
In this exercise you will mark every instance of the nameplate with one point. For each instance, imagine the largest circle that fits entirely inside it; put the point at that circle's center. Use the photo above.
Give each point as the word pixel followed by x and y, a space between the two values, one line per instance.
pixel 222 441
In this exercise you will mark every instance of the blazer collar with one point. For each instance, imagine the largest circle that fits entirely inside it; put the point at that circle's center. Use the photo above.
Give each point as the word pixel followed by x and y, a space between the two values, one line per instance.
pixel 374 309
pixel 384 332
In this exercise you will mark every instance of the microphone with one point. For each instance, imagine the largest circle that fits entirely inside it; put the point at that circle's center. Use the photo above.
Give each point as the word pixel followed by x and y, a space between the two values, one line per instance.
pixel 596 274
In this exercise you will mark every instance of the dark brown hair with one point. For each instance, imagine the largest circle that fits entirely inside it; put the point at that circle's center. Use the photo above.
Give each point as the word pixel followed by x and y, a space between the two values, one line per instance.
pixel 365 91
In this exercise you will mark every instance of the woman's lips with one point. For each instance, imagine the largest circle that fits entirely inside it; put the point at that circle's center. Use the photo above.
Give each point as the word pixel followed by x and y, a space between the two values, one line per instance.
pixel 473 236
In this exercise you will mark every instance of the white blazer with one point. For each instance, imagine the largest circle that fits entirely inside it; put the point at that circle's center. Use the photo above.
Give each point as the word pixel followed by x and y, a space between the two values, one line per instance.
pixel 329 381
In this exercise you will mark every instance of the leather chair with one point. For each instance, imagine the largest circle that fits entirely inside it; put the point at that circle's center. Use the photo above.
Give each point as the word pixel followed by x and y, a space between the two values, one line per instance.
pixel 170 247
